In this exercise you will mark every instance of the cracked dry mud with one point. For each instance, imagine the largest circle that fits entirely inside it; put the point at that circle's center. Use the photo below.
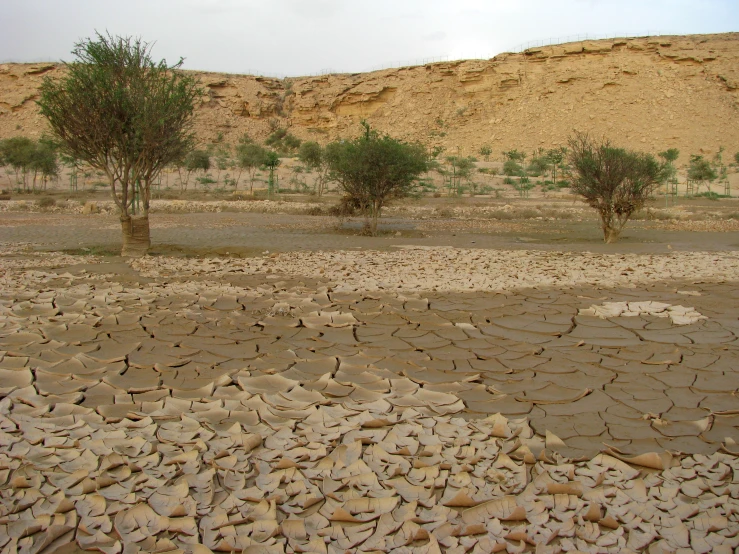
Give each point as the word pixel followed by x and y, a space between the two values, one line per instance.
pixel 325 402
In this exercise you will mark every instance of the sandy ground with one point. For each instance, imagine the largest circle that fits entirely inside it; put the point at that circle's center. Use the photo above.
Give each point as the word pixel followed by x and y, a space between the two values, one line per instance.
pixel 422 393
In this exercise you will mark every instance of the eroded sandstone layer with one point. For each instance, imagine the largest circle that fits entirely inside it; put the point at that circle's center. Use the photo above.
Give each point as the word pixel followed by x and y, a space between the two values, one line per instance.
pixel 651 93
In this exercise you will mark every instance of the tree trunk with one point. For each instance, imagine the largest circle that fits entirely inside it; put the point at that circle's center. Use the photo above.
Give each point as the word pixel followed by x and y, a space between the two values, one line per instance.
pixel 374 217
pixel 610 234
pixel 373 225
pixel 135 235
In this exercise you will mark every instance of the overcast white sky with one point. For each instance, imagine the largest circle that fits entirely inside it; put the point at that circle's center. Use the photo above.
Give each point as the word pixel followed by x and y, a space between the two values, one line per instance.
pixel 300 37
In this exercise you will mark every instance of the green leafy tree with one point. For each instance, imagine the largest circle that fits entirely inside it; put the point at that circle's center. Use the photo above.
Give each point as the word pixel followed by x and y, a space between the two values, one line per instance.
pixel 373 169
pixel 718 164
pixel 197 160
pixel 701 170
pixel 514 155
pixel 74 165
pixel 190 162
pixel 736 158
pixel 614 181
pixel 670 155
pixel 18 153
pixel 44 161
pixel 669 158
pixel 459 168
pixel 291 143
pixel 271 162
pixel 485 152
pixel 275 138
pixel 234 160
pixel 250 156
pixel 539 165
pixel 29 157
pixel 221 152
pixel 512 168
pixel 555 157
pixel 313 155
pixel 282 141
pixel 523 186
pixel 126 115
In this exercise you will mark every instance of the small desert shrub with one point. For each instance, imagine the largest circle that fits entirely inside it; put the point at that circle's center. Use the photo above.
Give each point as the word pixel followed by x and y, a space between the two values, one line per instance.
pixel 346 207
pixel 710 195
pixel 444 213
pixel 206 181
pixel 315 210
pixel 46 202
pixel 652 215
pixel 528 213
pixel 165 195
pixel 508 181
pixel 501 215
pixel 538 166
pixel 512 168
pixel 556 214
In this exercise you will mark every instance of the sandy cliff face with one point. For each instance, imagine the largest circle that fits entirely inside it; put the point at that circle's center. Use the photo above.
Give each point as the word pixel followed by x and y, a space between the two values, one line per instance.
pixel 646 93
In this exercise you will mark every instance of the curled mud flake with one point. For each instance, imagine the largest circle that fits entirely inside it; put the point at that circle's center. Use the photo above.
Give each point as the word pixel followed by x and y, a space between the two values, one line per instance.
pixel 654 460
pixel 137 523
pixel 504 509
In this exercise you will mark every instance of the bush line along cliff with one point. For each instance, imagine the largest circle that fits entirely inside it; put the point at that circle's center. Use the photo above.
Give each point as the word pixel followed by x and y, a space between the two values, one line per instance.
pixel 646 93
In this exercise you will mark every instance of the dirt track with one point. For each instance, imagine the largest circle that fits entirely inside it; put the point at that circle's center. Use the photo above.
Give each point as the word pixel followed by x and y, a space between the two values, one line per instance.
pixel 250 234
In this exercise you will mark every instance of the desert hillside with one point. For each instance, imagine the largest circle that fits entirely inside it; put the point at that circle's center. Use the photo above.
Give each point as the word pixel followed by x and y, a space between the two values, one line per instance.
pixel 647 93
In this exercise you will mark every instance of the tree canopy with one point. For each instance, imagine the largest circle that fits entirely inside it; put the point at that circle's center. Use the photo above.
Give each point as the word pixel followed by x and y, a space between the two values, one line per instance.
pixel 701 170
pixel 313 155
pixel 250 156
pixel 124 114
pixel 460 168
pixel 27 156
pixel 373 169
pixel 614 181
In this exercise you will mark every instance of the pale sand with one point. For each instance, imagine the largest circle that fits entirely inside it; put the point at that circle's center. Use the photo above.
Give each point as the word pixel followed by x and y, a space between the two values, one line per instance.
pixel 421 269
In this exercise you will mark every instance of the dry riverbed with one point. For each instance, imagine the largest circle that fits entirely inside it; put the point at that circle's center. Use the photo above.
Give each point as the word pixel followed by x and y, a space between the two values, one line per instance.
pixel 411 398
